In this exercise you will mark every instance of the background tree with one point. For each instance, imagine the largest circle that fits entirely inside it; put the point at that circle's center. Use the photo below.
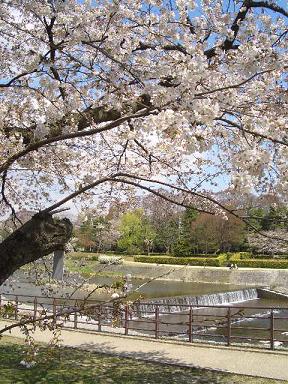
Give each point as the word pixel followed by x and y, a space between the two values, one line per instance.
pixel 215 234
pixel 183 244
pixel 163 217
pixel 136 234
pixel 92 233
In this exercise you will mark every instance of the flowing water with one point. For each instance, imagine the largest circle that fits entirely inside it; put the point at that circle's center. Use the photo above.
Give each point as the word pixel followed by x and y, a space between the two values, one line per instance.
pixel 179 304
pixel 141 287
pixel 172 299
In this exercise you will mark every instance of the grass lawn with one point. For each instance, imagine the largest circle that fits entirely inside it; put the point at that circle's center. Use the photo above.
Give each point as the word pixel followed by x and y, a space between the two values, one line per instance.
pixel 86 269
pixel 75 366
pixel 87 266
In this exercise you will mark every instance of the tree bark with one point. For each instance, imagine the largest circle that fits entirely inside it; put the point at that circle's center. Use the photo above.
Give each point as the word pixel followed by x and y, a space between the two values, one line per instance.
pixel 38 237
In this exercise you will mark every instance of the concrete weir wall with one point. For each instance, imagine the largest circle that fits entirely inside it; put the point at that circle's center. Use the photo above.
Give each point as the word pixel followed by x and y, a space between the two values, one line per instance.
pixel 242 276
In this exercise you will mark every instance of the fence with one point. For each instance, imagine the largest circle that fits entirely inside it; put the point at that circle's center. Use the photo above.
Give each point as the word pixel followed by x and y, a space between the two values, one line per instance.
pixel 260 327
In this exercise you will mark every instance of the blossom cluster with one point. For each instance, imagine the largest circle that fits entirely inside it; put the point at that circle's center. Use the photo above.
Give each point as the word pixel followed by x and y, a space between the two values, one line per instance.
pixel 189 93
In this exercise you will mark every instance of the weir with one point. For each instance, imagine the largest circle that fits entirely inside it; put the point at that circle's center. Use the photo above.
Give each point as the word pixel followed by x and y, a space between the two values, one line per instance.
pixel 179 303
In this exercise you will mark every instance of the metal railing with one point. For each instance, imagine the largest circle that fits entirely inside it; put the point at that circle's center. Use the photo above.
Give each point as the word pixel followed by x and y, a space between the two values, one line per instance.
pixel 218 324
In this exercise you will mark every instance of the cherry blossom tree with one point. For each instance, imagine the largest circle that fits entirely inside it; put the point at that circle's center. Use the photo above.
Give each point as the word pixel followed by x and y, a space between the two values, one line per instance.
pixel 102 97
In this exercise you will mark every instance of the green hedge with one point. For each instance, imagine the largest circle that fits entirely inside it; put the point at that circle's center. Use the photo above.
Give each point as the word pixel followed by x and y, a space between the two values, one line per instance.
pixel 208 256
pixel 263 263
pixel 277 257
pixel 281 257
pixel 197 261
pixel 82 255
pixel 239 256
pixel 199 255
pixel 218 261
pixel 262 257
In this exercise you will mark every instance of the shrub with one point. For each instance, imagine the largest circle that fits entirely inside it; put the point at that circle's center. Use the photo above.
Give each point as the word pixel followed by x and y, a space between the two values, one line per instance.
pixel 256 256
pixel 245 255
pixel 218 261
pixel 181 248
pixel 82 255
pixel 270 257
pixel 280 256
pixel 197 261
pixel 222 258
pixel 263 263
pixel 239 256
pixel 209 256
pixel 103 259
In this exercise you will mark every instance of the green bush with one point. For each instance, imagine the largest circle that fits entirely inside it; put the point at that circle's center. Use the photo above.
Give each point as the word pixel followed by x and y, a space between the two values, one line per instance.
pixel 222 258
pixel 218 261
pixel 281 257
pixel 181 249
pixel 270 257
pixel 256 256
pixel 196 261
pixel 82 255
pixel 239 256
pixel 263 263
pixel 209 256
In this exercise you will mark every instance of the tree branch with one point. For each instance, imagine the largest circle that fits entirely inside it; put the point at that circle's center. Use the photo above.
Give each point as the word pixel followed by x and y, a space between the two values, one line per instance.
pixel 41 143
pixel 256 134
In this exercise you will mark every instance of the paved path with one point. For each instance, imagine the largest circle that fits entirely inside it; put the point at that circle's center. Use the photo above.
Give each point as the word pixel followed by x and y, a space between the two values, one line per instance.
pixel 267 364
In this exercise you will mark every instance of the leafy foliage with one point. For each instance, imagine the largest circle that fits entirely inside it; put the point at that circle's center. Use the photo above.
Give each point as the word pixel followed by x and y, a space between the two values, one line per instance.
pixel 135 233
pixel 269 218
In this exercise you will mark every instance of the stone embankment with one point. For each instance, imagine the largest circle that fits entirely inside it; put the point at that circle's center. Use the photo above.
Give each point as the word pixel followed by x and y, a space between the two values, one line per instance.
pixel 221 275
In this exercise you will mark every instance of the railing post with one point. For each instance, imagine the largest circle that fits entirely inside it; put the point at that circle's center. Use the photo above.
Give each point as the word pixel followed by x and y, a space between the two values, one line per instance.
pixel 126 324
pixel 99 318
pixel 190 328
pixel 35 308
pixel 156 321
pixel 272 325
pixel 54 309
pixel 16 308
pixel 75 320
pixel 228 326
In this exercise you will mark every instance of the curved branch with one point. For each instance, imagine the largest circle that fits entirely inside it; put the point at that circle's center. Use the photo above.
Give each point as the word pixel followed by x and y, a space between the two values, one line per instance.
pixel 269 5
pixel 257 134
pixel 236 85
pixel 118 178
pixel 230 211
pixel 39 144
pixel 77 193
pixel 159 194
pixel 4 198
pixel 10 82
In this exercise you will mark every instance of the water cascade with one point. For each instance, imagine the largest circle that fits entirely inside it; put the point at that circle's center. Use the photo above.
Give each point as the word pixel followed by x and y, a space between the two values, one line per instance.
pixel 179 303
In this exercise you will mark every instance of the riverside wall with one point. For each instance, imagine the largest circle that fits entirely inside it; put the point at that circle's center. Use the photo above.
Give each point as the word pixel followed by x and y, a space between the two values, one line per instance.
pixel 242 276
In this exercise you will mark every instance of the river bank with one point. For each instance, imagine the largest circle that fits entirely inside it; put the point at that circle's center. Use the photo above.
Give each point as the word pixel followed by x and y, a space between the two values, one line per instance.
pixel 219 275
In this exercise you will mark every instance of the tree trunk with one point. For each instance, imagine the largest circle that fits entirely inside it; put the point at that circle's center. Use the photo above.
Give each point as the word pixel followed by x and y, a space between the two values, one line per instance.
pixel 38 237
pixel 58 264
